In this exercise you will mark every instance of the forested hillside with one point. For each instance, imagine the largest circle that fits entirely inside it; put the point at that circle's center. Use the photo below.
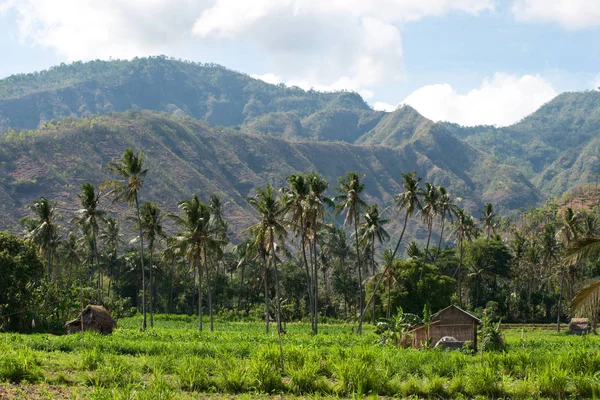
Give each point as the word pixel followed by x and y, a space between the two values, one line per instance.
pixel 186 156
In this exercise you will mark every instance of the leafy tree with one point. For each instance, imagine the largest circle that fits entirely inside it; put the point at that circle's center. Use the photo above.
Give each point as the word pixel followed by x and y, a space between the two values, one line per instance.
pixel 130 168
pixel 20 273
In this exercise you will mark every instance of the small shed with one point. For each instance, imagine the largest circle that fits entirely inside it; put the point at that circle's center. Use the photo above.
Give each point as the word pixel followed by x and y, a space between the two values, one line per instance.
pixel 579 326
pixel 92 318
pixel 451 321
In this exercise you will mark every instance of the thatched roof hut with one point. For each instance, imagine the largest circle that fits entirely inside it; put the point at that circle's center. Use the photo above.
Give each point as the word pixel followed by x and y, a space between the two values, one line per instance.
pixel 92 318
pixel 452 321
pixel 579 326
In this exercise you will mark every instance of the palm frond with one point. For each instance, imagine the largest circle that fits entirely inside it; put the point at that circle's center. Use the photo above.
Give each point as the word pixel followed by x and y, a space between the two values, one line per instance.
pixel 587 300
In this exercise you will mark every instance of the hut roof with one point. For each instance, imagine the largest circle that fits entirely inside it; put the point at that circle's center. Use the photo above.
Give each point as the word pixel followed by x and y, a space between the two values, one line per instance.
pixel 92 318
pixel 579 321
pixel 437 314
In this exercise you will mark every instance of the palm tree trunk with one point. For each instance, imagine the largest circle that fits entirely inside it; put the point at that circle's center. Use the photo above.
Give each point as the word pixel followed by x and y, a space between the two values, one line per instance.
pixel 137 206
pixel 274 259
pixel 360 283
pixel 316 275
pixel 308 276
pixel 430 229
pixel 389 299
pixel 171 289
pixel 437 253
pixel 95 256
pixel 373 267
pixel 460 260
pixel 562 281
pixel 150 286
pixel 199 294
pixel 389 264
pixel 239 305
pixel 208 289
pixel 266 293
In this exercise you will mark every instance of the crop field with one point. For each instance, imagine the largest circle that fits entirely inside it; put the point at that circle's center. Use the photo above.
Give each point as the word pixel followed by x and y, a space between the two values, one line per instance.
pixel 173 360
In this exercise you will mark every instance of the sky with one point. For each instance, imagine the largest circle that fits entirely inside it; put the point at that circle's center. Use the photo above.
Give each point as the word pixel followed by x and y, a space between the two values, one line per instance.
pixel 465 61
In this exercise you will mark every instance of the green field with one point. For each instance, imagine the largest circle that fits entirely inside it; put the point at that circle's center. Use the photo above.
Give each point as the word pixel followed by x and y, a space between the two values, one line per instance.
pixel 174 360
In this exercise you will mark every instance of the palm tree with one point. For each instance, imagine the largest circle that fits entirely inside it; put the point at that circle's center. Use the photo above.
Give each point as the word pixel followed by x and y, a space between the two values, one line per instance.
pixel 152 229
pixel 295 199
pixel 447 209
pixel 112 240
pixel 409 201
pixel 194 238
pixel 464 227
pixel 90 215
pixel 349 201
pixel 488 220
pixel 314 219
pixel 42 229
pixel 244 254
pixel 69 250
pixel 130 168
pixel 371 232
pixel 267 231
pixel 430 201
pixel 587 300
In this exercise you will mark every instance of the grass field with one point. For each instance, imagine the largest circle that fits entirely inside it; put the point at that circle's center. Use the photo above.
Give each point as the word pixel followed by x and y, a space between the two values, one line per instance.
pixel 174 360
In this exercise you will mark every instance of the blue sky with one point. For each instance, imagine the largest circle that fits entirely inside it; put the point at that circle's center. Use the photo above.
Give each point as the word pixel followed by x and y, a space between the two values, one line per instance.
pixel 466 61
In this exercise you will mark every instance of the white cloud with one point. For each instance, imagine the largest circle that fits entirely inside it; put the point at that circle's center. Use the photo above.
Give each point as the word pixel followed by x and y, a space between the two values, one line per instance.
pixel 382 106
pixel 572 14
pixel 596 82
pixel 502 100
pixel 324 44
pixel 269 77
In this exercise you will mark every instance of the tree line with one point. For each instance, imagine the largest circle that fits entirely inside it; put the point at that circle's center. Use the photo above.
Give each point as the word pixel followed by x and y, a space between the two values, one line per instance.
pixel 308 256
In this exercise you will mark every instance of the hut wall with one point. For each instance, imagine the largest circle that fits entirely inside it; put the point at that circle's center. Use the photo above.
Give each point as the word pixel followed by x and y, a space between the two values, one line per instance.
pixel 451 322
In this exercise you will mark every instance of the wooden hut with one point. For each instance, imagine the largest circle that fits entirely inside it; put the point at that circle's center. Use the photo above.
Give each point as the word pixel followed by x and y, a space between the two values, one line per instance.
pixel 92 318
pixel 452 321
pixel 579 326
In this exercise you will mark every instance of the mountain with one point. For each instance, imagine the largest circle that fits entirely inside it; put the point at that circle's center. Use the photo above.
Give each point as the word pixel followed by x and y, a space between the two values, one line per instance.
pixel 231 133
pixel 187 156
pixel 556 147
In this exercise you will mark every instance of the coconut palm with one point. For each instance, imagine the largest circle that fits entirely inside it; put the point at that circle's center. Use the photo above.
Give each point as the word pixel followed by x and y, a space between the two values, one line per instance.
pixel 42 229
pixel 488 220
pixel 152 228
pixel 348 200
pixel 69 251
pixel 244 254
pixel 296 199
pixel 130 168
pixel 314 219
pixel 409 201
pixel 430 210
pixel 193 239
pixel 587 300
pixel 111 239
pixel 446 209
pixel 90 215
pixel 372 231
pixel 267 232
pixel 464 229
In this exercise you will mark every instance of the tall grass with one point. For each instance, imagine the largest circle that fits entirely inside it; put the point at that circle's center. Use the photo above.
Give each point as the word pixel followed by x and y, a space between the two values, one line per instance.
pixel 175 360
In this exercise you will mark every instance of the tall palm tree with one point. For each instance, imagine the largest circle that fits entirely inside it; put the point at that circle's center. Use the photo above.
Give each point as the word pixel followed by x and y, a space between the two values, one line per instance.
pixel 152 228
pixel 194 237
pixel 447 209
pixel 409 201
pixel 587 300
pixel 349 201
pixel 316 211
pixel 69 250
pixel 430 201
pixel 372 231
pixel 296 200
pixel 90 215
pixel 244 254
pixel 112 239
pixel 488 219
pixel 130 168
pixel 464 227
pixel 42 229
pixel 267 232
